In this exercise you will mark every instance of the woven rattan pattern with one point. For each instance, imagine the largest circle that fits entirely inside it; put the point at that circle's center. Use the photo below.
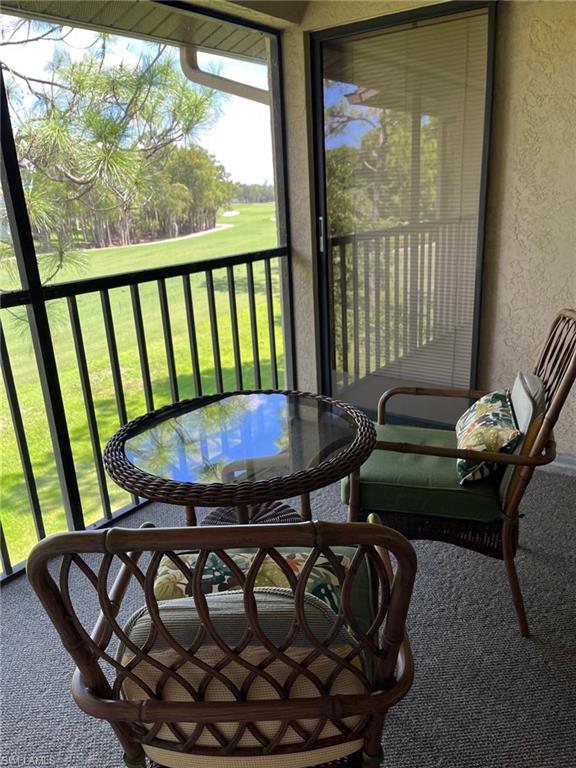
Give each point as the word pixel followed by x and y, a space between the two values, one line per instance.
pixel 470 534
pixel 196 724
pixel 258 514
pixel 148 486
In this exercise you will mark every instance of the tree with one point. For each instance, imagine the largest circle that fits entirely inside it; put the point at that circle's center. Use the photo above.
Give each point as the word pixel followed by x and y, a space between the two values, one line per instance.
pixel 205 178
pixel 93 138
pixel 253 193
pixel 369 165
pixel 347 202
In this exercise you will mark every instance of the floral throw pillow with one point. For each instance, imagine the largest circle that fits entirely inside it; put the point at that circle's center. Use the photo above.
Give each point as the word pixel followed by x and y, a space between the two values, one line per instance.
pixel 488 425
pixel 217 576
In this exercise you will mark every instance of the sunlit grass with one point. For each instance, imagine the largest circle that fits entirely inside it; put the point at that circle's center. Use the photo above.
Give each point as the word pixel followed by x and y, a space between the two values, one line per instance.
pixel 251 231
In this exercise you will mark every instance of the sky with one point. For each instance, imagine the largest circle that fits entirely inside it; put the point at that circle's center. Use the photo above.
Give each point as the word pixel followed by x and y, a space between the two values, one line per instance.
pixel 353 133
pixel 241 138
pixel 351 136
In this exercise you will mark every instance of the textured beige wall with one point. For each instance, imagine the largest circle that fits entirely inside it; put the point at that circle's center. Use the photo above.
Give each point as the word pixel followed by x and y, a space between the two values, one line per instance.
pixel 531 239
pixel 323 14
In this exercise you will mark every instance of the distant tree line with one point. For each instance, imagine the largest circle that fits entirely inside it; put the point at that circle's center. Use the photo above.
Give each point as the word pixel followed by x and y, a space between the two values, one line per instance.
pixel 107 149
pixel 252 193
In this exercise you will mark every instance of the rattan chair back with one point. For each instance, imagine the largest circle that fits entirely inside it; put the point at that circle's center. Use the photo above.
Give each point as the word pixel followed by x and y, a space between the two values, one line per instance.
pixel 114 571
pixel 556 367
pixel 557 364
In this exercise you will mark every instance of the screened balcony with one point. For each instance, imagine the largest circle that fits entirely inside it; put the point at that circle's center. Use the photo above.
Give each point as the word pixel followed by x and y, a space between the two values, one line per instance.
pixel 136 271
pixel 454 284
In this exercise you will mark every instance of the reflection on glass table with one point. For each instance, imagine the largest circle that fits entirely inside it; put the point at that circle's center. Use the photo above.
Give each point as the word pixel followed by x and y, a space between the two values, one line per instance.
pixel 239 449
pixel 242 438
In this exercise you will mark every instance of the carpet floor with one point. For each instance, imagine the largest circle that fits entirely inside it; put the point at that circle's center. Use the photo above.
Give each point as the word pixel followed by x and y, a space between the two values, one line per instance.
pixel 483 697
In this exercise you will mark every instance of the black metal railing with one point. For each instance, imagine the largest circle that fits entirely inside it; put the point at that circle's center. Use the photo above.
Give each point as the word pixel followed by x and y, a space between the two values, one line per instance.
pixel 396 290
pixel 220 327
pixel 80 358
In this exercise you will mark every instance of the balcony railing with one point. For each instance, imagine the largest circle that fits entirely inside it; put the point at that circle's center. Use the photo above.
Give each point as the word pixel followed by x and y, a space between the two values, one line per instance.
pixel 394 291
pixel 164 334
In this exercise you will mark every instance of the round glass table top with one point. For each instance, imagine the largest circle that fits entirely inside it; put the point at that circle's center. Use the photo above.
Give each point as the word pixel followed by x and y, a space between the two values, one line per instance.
pixel 241 438
pixel 239 448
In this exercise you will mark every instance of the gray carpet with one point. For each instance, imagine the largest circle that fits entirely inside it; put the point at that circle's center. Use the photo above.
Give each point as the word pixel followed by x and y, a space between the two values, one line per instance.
pixel 483 697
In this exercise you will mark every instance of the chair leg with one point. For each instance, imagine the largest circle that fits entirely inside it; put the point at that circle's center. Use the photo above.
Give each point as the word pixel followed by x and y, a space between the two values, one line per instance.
pixel 372 754
pixel 354 499
pixel 191 515
pixel 373 761
pixel 134 756
pixel 517 599
pixel 138 763
pixel 305 508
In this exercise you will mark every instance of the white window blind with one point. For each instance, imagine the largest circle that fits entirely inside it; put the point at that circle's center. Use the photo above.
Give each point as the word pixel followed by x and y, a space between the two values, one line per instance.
pixel 403 135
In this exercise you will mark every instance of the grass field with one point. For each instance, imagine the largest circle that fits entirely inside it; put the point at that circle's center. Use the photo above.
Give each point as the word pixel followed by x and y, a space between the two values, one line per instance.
pixel 252 230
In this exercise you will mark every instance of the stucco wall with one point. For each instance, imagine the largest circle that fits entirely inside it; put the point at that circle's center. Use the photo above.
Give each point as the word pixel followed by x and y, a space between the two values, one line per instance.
pixel 530 267
pixel 300 207
pixel 323 14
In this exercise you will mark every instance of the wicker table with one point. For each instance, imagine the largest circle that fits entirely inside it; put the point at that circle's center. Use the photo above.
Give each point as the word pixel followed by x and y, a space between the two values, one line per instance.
pixel 240 449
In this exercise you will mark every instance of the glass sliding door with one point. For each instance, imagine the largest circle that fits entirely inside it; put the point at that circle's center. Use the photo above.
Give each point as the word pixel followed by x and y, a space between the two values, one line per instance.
pixel 403 127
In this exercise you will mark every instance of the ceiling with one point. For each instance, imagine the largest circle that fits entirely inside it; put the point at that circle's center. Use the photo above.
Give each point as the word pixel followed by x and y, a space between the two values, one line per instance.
pixel 148 19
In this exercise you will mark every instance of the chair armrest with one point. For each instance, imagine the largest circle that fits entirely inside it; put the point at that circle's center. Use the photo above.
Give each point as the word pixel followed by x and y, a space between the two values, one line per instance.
pixel 469 394
pixel 546 457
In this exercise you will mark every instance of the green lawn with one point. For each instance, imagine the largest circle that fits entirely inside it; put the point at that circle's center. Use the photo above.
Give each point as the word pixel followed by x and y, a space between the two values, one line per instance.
pixel 253 229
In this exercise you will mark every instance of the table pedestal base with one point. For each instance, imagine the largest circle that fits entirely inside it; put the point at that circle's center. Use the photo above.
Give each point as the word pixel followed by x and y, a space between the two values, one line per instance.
pixel 191 515
pixel 271 512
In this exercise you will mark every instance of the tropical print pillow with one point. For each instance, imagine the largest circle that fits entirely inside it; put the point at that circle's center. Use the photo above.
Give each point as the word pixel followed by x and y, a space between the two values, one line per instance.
pixel 488 425
pixel 218 576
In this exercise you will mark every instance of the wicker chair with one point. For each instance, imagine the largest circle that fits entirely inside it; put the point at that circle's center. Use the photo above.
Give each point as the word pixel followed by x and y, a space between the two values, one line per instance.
pixel 253 676
pixel 419 495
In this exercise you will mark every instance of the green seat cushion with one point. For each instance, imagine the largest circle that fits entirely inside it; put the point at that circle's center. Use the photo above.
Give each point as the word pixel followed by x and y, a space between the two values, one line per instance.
pixel 425 485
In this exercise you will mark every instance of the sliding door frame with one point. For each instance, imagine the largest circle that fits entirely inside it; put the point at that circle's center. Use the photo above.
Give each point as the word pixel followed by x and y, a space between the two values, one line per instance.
pixel 316 40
